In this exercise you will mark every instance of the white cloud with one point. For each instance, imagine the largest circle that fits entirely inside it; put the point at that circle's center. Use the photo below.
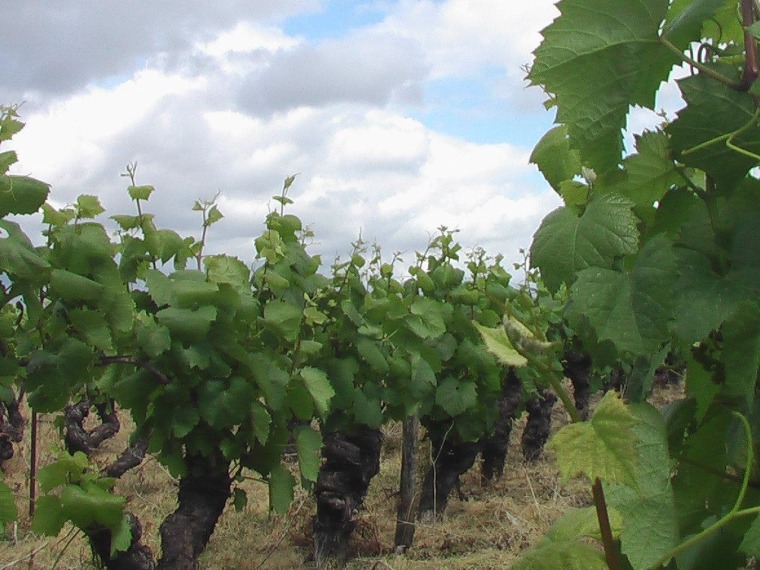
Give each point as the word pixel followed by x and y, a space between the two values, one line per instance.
pixel 463 37
pixel 248 37
pixel 69 142
pixel 59 47
pixel 366 67
pixel 241 105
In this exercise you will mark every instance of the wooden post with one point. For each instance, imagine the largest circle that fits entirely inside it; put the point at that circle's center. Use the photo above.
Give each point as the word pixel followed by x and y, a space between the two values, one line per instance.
pixel 33 466
pixel 405 519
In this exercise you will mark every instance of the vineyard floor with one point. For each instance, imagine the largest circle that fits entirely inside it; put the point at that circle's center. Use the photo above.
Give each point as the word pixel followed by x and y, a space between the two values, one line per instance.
pixel 488 530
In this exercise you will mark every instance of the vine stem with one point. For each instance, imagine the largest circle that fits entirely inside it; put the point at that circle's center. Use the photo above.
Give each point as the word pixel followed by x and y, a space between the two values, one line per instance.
pixel 729 138
pixel 733 514
pixel 701 66
pixel 751 66
pixel 602 515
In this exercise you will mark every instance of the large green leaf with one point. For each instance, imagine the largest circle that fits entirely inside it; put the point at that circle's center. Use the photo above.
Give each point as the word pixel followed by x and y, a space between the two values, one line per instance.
pixel 367 409
pixel 699 136
pixel 281 484
pixel 370 352
pixel 595 76
pixel 74 287
pixel 555 159
pixel 187 324
pixel 8 511
pixel 284 317
pixel 92 505
pixel 566 243
pixel 93 328
pixel 152 337
pixel 456 396
pixel 497 342
pixel 49 517
pixel 319 387
pixel 686 17
pixel 21 194
pixel 604 447
pixel 651 522
pixel 271 379
pixel 650 172
pixel 565 545
pixel 88 206
pixel 7 158
pixel 308 445
pixel 18 257
pixel 631 309
pixel 426 320
pixel 49 373
pixel 741 352
pixel 704 298
pixel 751 543
pixel 224 405
pixel 226 269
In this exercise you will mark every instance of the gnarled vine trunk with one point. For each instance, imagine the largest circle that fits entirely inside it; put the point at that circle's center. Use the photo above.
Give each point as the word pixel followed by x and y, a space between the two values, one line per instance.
pixel 11 427
pixel 351 461
pixel 136 557
pixel 577 367
pixel 77 438
pixel 450 461
pixel 203 493
pixel 539 424
pixel 496 445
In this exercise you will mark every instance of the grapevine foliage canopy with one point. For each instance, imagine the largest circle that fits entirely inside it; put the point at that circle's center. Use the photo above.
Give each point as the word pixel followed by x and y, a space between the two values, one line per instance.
pixel 658 252
pixel 595 76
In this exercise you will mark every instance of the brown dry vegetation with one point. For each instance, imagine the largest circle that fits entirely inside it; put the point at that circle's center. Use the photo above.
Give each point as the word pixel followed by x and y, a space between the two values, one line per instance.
pixel 488 530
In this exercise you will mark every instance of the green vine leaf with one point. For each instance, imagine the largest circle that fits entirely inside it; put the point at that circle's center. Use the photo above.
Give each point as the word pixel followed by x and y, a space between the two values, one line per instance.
pixel 319 387
pixel 88 206
pixel 631 309
pixel 456 396
pixel 651 518
pixel 8 511
pixel 750 544
pixel 140 192
pixel 222 404
pixel 741 353
pixel 555 159
pixel 604 447
pixel 566 242
pixel 49 517
pixel 121 535
pixel 18 257
pixel 650 172
pixel 187 324
pixel 281 484
pixel 308 444
pixel 686 17
pixel 596 76
pixel 704 298
pixel 497 342
pixel 21 194
pixel 565 545
pixel 714 113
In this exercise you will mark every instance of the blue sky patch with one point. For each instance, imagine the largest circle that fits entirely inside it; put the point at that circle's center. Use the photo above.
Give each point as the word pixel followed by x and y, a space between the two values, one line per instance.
pixel 334 20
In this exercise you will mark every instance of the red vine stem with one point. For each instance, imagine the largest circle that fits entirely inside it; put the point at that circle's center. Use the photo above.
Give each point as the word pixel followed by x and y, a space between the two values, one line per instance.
pixel 602 515
pixel 751 66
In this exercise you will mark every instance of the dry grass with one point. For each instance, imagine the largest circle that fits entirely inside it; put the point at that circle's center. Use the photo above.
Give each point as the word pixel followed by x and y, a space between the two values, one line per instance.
pixel 489 530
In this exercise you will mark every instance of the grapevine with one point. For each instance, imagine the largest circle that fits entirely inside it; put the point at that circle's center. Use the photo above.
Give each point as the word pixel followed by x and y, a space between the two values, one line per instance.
pixel 657 251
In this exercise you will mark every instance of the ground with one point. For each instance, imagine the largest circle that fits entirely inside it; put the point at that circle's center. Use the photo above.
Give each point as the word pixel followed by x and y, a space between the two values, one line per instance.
pixel 487 530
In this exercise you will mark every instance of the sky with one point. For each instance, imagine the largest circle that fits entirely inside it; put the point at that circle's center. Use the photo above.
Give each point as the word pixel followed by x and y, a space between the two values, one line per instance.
pixel 399 116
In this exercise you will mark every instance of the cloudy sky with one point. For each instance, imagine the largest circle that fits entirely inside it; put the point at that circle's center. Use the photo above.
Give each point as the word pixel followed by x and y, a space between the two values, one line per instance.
pixel 399 115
